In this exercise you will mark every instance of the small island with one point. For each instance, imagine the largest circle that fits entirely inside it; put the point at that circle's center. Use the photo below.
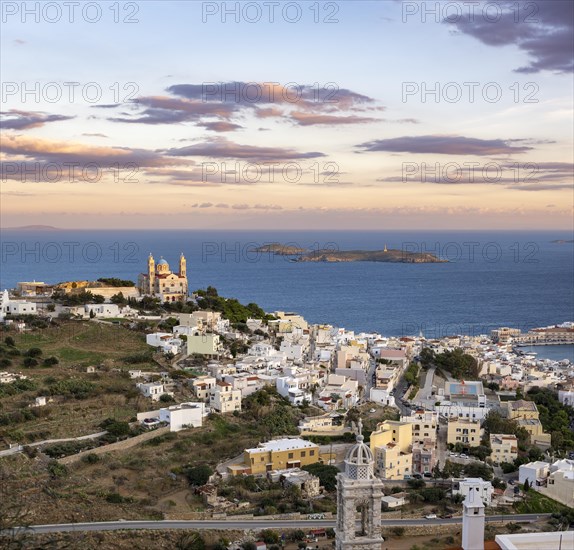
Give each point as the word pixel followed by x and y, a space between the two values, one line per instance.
pixel 279 249
pixel 386 255
pixel 562 241
pixel 330 255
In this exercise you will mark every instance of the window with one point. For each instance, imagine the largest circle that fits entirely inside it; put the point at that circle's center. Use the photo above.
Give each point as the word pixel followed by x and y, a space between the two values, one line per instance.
pixel 290 455
pixel 303 454
pixel 312 453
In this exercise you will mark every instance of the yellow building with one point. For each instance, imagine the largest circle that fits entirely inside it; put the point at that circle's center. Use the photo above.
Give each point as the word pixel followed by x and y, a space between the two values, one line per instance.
pixel 535 430
pixel 504 448
pixel 391 445
pixel 464 431
pixel 279 454
pixel 162 283
pixel 522 409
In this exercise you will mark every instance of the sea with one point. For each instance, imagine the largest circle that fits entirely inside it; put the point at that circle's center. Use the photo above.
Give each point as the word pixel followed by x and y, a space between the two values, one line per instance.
pixel 491 279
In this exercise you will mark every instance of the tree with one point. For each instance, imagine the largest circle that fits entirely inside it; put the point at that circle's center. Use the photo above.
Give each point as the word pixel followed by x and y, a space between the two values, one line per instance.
pixel 436 472
pixel 269 536
pixel 9 341
pixel 426 357
pixel 115 428
pixel 327 474
pixel 166 398
pixel 478 469
pixel 190 541
pixel 526 486
pixel 198 475
pixel 497 483
pixel 29 362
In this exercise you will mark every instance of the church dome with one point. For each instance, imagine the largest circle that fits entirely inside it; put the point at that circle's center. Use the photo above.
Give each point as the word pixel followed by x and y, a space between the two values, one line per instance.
pixel 359 454
pixel 359 461
pixel 162 262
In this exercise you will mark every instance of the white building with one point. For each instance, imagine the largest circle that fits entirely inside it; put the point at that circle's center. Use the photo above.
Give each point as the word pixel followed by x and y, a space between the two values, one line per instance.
pixel 153 390
pixel 537 541
pixel 183 416
pixel 482 488
pixel 289 387
pixel 532 472
pixel 164 341
pixel 15 307
pixel 102 310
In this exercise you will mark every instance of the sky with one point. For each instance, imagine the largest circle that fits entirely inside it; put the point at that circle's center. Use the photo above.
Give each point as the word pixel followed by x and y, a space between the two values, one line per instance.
pixel 287 115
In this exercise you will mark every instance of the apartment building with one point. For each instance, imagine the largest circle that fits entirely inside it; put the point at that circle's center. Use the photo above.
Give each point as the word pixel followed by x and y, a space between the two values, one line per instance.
pixel 464 431
pixel 202 385
pixel 424 424
pixel 504 448
pixel 391 445
pixel 224 399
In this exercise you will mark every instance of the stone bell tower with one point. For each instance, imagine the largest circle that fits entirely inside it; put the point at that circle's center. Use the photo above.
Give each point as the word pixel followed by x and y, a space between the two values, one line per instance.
pixel 182 266
pixel 150 274
pixel 359 495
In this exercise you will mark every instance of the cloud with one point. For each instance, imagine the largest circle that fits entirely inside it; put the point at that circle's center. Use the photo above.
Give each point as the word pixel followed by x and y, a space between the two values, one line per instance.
pixel 24 120
pixel 309 119
pixel 169 110
pixel 199 104
pixel 220 126
pixel 271 93
pixel 223 148
pixel 44 159
pixel 444 145
pixel 95 135
pixel 526 176
pixel 240 206
pixel 543 30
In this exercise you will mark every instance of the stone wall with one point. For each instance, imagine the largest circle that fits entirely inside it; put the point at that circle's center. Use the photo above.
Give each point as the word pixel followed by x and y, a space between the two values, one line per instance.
pixel 119 446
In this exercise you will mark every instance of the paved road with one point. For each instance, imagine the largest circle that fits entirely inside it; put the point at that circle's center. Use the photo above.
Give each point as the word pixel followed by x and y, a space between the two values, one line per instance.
pixel 252 524
pixel 20 448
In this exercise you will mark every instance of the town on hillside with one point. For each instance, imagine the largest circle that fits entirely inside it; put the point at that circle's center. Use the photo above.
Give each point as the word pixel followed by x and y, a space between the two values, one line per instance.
pixel 147 401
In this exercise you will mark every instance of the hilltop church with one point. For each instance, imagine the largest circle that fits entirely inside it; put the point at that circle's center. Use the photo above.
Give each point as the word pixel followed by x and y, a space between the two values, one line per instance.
pixel 162 283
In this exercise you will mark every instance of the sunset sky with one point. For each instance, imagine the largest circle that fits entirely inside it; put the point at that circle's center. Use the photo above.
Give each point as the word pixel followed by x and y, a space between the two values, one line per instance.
pixel 332 101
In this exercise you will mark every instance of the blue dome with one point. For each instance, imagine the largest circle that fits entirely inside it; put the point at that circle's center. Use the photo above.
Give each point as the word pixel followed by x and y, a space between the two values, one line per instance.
pixel 162 262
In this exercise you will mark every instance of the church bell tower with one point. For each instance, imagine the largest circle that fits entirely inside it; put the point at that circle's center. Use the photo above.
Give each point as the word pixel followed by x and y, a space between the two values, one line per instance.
pixel 359 495
pixel 151 273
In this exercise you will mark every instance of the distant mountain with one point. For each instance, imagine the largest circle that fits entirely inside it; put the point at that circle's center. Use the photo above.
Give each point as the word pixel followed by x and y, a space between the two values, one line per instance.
pixel 34 228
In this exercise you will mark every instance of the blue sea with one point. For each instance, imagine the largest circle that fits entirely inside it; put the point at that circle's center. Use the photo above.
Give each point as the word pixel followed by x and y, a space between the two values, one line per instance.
pixel 492 279
pixel 554 352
